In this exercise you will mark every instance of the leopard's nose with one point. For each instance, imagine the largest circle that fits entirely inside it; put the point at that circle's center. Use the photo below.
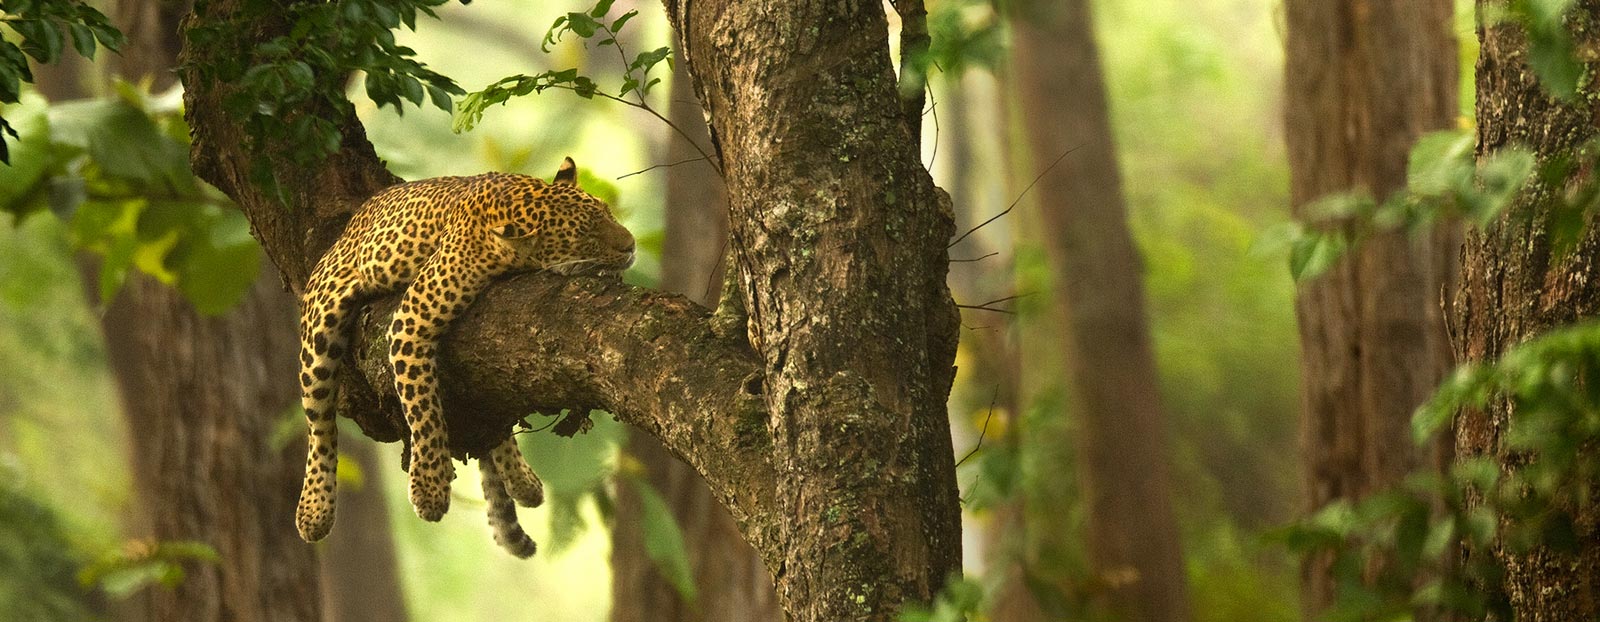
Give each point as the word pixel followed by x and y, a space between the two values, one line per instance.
pixel 620 240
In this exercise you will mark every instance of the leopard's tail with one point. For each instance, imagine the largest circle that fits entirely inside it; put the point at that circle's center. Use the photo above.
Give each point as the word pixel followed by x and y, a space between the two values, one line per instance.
pixel 325 318
pixel 508 532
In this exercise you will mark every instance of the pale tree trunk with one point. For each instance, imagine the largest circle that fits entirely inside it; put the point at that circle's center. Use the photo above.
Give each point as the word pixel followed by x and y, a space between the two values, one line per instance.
pixel 360 577
pixel 1363 83
pixel 1133 534
pixel 1514 287
pixel 731 582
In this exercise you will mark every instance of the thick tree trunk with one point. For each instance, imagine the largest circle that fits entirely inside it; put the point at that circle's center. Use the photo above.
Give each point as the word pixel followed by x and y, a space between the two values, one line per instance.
pixel 1133 534
pixel 839 238
pixel 1364 81
pixel 1514 287
pixel 732 582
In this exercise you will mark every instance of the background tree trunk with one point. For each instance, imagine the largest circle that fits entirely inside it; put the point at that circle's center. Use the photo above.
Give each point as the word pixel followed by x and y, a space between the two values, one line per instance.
pixel 1513 287
pixel 360 577
pixel 202 397
pixel 1133 533
pixel 1363 82
pixel 732 583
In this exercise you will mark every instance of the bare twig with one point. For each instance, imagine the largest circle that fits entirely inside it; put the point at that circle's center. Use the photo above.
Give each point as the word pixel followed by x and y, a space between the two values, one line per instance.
pixel 969 259
pixel 667 165
pixel 985 431
pixel 1014 203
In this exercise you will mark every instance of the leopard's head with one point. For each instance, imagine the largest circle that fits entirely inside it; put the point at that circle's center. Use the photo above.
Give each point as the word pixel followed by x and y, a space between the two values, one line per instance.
pixel 557 226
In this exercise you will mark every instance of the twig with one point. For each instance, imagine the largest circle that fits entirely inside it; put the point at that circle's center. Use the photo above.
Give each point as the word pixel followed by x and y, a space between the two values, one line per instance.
pixel 985 431
pixel 975 258
pixel 656 166
pixel 983 308
pixel 1014 203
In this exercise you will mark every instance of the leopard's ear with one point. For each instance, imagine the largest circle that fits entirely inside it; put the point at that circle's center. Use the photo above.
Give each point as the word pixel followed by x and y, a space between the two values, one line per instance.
pixel 568 174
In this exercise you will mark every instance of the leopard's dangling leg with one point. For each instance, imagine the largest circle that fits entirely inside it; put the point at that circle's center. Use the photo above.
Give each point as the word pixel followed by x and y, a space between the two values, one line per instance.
pixel 445 285
pixel 521 482
pixel 326 316
pixel 502 512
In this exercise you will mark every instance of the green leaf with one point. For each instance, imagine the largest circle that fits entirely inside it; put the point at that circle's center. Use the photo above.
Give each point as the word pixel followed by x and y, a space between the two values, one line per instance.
pixel 1440 162
pixel 663 540
pixel 601 8
pixel 1314 253
pixel 123 141
pixel 621 21
pixel 1553 60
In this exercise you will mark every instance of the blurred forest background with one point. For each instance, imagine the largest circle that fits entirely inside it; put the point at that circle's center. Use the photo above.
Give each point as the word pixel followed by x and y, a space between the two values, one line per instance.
pixel 1197 109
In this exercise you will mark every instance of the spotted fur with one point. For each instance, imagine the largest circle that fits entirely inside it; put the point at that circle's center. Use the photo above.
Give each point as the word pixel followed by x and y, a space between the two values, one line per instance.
pixel 443 240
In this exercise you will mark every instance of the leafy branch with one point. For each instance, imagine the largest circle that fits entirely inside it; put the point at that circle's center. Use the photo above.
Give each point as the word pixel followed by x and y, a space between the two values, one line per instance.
pixel 1444 182
pixel 279 84
pixel 44 28
pixel 586 26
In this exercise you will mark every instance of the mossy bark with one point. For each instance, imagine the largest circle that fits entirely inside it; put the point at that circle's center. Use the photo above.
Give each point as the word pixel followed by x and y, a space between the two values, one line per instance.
pixel 1514 286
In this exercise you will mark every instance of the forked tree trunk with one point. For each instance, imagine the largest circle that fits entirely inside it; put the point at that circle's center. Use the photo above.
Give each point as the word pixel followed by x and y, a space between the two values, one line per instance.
pixel 823 426
pixel 1363 82
pixel 1514 287
pixel 731 582
pixel 1122 437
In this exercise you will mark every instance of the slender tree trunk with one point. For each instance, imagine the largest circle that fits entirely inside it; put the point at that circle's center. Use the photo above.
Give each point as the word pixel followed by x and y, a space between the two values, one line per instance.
pixel 731 581
pixel 1364 81
pixel 360 577
pixel 1514 287
pixel 1122 447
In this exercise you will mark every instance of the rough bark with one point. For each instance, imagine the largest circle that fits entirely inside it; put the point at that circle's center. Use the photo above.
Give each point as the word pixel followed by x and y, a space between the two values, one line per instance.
pixel 1133 533
pixel 1363 82
pixel 822 428
pixel 732 582
pixel 1514 287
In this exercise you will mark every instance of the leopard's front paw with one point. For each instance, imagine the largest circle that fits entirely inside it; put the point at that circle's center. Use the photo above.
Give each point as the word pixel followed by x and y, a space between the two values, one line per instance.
pixel 430 487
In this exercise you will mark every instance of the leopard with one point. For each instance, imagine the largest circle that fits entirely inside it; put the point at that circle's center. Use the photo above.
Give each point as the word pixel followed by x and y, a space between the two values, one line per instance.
pixel 442 240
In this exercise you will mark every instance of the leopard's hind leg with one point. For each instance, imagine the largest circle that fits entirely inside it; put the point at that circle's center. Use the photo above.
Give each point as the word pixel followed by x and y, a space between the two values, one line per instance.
pixel 508 532
pixel 327 311
pixel 521 482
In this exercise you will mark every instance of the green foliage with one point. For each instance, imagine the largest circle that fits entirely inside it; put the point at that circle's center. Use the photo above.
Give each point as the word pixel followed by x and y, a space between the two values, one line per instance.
pixel 37 563
pixel 663 540
pixel 44 28
pixel 142 564
pixel 285 87
pixel 573 472
pixel 116 171
pixel 587 26
pixel 963 34
pixel 1444 181
pixel 1548 385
